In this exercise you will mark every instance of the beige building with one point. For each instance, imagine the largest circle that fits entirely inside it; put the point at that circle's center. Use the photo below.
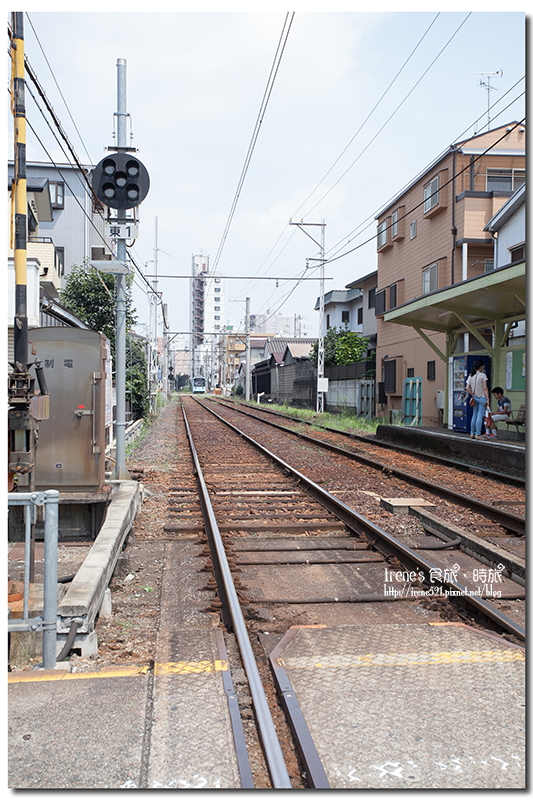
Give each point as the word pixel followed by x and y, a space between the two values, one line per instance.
pixel 430 237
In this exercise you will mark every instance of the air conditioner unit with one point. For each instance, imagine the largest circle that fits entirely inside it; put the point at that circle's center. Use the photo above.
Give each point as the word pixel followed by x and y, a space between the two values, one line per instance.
pixel 440 398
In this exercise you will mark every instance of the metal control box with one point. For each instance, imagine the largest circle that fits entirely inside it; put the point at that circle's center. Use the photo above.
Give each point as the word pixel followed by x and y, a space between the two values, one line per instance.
pixel 70 453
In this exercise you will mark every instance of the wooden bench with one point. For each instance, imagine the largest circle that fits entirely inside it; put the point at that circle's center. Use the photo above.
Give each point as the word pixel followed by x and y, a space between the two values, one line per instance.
pixel 517 421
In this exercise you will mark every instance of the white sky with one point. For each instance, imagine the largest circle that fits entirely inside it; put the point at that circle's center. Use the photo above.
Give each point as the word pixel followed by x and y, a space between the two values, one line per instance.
pixel 195 82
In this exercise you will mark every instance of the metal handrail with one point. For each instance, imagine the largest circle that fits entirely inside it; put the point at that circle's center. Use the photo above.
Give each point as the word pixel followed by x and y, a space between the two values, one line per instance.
pixel 48 622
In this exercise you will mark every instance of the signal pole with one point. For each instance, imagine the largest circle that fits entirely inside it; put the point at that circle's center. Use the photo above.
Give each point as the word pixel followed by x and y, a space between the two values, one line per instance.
pixel 120 472
pixel 120 182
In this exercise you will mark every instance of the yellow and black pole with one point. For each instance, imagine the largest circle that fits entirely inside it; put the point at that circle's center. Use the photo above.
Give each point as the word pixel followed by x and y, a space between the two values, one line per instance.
pixel 21 422
pixel 20 194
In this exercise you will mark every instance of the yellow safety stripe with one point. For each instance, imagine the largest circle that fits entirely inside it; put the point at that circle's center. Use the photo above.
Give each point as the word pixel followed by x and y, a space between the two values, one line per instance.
pixel 408 659
pixel 168 668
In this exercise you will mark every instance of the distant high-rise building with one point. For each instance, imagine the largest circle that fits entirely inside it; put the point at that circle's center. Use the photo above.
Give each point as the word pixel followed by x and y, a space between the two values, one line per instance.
pixel 208 316
pixel 285 325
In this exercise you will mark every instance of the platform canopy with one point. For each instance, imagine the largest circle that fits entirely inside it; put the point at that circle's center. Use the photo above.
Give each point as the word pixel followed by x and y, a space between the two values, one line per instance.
pixel 497 295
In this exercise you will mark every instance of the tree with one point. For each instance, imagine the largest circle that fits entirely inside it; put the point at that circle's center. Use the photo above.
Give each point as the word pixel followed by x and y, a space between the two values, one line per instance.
pixel 91 296
pixel 341 346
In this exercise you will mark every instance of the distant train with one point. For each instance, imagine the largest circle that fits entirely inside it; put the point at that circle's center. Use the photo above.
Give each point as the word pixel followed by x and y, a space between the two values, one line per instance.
pixel 198 384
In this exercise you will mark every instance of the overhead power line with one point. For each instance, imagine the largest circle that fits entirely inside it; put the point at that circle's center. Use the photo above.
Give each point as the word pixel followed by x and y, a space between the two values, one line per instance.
pixel 57 84
pixel 413 208
pixel 266 97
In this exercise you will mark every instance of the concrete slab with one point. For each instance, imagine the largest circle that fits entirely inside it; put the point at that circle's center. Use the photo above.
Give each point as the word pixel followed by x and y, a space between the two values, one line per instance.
pixel 75 733
pixel 411 706
pixel 403 505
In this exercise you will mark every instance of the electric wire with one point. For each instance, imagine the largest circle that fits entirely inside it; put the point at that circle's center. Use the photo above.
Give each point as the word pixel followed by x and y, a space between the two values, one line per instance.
pixel 370 114
pixel 57 84
pixel 371 218
pixel 414 208
pixel 392 115
pixel 387 121
pixel 264 103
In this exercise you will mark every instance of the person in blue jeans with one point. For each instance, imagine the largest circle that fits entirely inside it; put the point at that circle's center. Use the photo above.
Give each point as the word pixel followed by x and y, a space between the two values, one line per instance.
pixel 477 388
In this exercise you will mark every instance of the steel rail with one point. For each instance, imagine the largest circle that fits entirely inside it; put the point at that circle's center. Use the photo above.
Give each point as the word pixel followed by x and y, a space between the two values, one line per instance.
pixel 360 524
pixel 272 748
pixel 506 519
pixel 401 448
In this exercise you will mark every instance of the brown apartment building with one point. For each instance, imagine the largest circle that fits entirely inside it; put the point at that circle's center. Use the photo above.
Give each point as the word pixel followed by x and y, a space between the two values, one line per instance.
pixel 430 237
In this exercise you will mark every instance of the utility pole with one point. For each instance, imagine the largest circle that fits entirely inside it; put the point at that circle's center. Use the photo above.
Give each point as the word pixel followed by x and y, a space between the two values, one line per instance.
pixel 248 366
pixel 22 424
pixel 321 381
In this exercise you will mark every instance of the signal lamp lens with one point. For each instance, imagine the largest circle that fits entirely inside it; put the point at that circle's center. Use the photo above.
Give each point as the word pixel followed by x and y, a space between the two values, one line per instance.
pixel 109 166
pixel 132 192
pixel 108 190
pixel 132 168
pixel 120 179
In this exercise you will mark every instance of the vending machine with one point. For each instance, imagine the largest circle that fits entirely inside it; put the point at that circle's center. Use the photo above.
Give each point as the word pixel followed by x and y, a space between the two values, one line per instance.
pixel 462 410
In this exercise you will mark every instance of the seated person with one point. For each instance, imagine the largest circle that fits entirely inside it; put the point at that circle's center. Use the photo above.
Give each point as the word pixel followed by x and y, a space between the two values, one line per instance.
pixel 503 412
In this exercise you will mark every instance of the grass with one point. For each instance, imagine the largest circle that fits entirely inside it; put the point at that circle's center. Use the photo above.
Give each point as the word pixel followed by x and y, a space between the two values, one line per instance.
pixel 341 422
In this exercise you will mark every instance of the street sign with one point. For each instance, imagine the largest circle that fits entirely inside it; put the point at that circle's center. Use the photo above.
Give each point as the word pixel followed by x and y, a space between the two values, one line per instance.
pixel 116 267
pixel 124 229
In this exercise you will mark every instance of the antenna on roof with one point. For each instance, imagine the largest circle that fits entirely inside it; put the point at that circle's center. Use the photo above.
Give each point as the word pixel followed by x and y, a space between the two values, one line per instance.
pixel 488 87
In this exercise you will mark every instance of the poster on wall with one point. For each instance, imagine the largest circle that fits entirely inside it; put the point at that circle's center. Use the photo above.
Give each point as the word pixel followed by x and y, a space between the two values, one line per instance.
pixel 509 371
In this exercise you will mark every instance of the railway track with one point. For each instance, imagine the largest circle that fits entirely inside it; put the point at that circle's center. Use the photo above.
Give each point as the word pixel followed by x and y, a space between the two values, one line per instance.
pixel 281 550
pixel 510 520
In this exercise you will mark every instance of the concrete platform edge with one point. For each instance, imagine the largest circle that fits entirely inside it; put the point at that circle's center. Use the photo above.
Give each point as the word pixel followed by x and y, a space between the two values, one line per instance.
pixel 86 592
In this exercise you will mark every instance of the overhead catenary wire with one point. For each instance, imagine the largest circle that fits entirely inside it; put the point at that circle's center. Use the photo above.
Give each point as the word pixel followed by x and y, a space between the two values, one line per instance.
pixel 264 104
pixel 387 121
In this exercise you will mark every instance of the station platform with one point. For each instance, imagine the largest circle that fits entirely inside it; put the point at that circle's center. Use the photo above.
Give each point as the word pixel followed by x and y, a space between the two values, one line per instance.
pixel 170 724
pixel 417 706
pixel 497 454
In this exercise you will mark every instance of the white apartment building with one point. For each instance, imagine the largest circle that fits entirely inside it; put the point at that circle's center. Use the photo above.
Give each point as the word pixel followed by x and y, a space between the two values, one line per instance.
pixel 208 318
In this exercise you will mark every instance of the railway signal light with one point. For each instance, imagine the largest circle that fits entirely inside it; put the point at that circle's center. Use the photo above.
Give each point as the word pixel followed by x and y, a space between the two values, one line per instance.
pixel 120 181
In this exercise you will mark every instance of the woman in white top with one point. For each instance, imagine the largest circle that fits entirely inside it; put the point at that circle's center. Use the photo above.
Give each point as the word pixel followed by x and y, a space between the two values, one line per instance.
pixel 477 388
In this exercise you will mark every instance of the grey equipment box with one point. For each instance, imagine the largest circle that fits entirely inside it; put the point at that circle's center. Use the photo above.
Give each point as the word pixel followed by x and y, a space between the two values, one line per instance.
pixel 70 453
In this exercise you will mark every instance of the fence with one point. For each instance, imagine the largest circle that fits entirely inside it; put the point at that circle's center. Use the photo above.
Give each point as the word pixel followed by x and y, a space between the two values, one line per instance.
pixel 49 500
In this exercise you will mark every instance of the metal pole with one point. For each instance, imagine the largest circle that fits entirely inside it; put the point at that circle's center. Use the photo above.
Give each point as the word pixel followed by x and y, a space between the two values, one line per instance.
pixel 320 365
pixel 248 369
pixel 51 525
pixel 120 472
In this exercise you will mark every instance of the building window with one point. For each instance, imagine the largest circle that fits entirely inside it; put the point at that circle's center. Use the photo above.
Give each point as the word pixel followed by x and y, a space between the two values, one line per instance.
pixel 430 279
pixel 382 234
pixel 394 224
pixel 372 297
pixel 389 369
pixel 393 295
pixel 360 316
pixel 217 290
pixel 345 317
pixel 431 370
pixel 505 180
pixel 518 253
pixel 412 230
pixel 57 194
pixel 431 195
pixel 410 372
pixel 60 261
pixel 217 308
pixel 217 280
pixel 217 317
pixel 489 265
pixel 327 321
pixel 380 302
